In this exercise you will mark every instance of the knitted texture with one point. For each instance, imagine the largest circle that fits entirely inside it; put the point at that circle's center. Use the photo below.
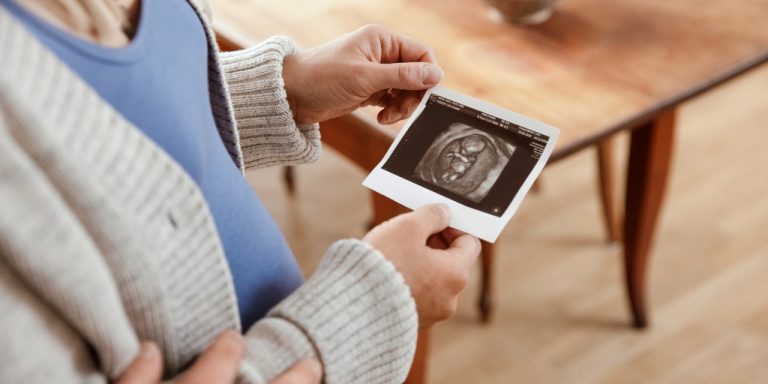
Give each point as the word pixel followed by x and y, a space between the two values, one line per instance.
pixel 264 118
pixel 344 301
pixel 105 240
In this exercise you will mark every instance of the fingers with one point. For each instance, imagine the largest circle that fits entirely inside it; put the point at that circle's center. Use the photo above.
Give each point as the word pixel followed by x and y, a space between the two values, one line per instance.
pixel 401 64
pixel 220 363
pixel 308 371
pixel 406 63
pixel 147 368
pixel 406 76
pixel 413 50
pixel 450 234
pixel 400 107
pixel 401 48
pixel 378 99
pixel 466 248
pixel 437 241
pixel 430 219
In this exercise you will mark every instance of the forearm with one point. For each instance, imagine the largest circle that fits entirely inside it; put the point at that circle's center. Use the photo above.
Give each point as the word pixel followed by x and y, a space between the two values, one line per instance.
pixel 355 314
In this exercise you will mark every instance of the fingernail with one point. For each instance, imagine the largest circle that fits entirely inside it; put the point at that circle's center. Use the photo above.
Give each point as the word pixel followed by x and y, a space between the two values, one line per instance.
pixel 394 116
pixel 148 351
pixel 431 74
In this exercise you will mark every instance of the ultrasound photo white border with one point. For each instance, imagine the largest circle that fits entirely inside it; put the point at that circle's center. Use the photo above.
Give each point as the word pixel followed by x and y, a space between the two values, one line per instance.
pixel 464 218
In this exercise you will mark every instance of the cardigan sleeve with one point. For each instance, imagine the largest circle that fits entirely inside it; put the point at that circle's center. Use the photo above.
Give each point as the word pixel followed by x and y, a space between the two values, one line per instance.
pixel 268 134
pixel 355 314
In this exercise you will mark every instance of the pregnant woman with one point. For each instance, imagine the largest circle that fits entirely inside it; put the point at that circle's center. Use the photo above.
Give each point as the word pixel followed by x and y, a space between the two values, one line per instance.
pixel 129 239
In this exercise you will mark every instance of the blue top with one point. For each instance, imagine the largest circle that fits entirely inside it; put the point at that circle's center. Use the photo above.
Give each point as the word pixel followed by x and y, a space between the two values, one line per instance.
pixel 159 82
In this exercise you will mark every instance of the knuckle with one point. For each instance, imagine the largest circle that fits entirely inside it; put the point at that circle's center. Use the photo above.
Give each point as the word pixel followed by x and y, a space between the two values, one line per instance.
pixel 462 279
pixel 458 281
pixel 406 74
pixel 372 29
pixel 449 309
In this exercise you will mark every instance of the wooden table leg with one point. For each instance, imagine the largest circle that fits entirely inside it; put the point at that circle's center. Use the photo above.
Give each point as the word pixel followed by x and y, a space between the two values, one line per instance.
pixel 649 158
pixel 384 209
pixel 289 178
pixel 606 186
pixel 418 373
pixel 485 299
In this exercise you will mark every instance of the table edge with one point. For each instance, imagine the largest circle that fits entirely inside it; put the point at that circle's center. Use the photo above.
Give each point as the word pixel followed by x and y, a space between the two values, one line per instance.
pixel 229 38
pixel 648 115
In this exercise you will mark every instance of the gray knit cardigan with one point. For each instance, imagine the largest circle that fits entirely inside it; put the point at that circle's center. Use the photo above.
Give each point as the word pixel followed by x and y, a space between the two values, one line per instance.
pixel 106 241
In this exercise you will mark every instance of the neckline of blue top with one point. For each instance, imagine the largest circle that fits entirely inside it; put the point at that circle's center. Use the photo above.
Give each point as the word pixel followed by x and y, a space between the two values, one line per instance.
pixel 128 53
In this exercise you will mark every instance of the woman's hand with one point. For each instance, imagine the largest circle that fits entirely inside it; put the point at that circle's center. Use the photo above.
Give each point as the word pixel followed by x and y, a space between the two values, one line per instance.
pixel 434 260
pixel 370 66
pixel 218 365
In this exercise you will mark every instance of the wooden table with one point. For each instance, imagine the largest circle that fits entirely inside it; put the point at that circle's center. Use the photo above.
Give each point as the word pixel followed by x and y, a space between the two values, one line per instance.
pixel 595 69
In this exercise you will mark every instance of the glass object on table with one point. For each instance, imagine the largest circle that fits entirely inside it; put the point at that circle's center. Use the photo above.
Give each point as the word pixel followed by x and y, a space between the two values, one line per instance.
pixel 524 12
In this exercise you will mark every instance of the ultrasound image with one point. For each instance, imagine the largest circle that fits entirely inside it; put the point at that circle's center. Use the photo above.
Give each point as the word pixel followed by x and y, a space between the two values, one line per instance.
pixel 464 160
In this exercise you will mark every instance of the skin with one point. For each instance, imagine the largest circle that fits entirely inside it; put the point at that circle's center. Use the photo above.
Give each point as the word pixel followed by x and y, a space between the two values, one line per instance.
pixel 73 16
pixel 370 66
pixel 217 365
pixel 434 260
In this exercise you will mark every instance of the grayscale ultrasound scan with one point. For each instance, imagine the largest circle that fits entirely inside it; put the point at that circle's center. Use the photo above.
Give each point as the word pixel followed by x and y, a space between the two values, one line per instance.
pixel 477 158
pixel 464 160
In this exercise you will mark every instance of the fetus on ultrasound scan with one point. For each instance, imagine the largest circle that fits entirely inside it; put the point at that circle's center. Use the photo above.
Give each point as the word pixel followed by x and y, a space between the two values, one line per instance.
pixel 464 160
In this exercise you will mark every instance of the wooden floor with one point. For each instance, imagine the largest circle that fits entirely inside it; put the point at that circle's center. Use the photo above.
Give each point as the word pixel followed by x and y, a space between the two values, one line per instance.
pixel 561 314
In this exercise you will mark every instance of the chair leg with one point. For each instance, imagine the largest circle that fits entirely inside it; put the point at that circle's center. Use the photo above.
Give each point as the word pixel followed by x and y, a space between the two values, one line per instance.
pixel 418 372
pixel 606 186
pixel 485 299
pixel 289 179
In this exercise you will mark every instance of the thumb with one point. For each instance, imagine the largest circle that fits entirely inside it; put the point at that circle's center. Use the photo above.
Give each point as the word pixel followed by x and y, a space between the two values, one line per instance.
pixel 308 371
pixel 405 76
pixel 432 218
